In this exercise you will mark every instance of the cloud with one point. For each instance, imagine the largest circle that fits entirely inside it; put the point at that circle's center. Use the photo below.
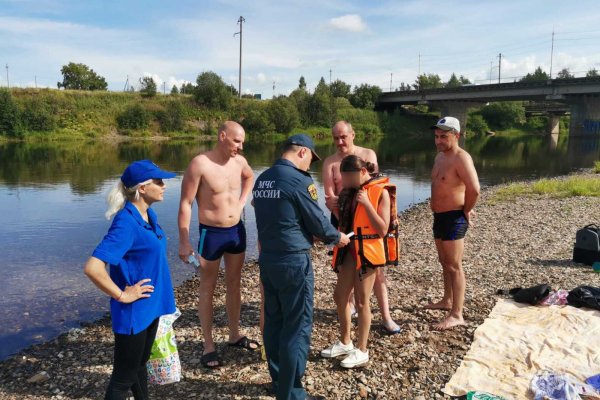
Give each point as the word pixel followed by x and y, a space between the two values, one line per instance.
pixel 348 22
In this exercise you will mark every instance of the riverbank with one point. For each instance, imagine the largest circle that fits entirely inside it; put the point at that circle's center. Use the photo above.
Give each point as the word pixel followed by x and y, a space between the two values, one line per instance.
pixel 520 241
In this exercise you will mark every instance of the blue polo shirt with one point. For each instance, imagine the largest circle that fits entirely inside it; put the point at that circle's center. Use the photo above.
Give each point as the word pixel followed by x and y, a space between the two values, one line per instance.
pixel 288 214
pixel 136 250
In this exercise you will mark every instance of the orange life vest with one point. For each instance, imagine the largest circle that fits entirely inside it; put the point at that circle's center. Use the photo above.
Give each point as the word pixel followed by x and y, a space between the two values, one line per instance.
pixel 371 250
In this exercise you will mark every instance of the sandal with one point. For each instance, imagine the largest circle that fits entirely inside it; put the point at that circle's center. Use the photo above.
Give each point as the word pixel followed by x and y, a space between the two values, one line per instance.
pixel 245 343
pixel 209 358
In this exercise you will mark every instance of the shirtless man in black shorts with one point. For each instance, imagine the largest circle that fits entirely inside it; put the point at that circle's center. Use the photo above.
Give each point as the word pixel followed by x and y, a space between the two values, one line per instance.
pixel 454 193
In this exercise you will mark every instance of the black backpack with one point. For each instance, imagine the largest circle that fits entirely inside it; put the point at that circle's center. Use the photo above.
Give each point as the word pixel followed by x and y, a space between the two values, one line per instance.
pixel 587 245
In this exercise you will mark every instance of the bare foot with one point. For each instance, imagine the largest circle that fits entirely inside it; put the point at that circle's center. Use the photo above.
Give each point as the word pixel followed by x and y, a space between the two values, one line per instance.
pixel 448 323
pixel 440 305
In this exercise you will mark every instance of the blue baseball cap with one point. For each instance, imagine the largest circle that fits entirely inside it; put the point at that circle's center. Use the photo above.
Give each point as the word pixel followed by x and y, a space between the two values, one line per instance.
pixel 141 171
pixel 303 140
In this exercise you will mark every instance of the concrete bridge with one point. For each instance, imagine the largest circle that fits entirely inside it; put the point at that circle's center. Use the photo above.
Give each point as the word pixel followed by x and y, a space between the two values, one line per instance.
pixel 580 95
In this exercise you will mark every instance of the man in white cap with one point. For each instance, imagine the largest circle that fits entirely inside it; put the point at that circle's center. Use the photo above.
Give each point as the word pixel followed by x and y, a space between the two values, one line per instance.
pixel 454 193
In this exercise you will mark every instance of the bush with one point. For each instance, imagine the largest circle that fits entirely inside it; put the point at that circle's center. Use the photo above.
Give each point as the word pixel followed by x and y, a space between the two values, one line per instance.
pixel 134 117
pixel 147 87
pixel 9 115
pixel 283 114
pixel 476 125
pixel 172 118
pixel 537 124
pixel 257 121
pixel 37 116
pixel 503 115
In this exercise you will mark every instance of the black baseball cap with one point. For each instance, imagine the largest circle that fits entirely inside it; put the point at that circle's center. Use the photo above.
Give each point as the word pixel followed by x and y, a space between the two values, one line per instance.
pixel 303 140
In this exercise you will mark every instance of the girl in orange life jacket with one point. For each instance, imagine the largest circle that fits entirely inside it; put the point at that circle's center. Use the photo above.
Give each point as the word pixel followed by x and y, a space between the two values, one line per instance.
pixel 355 204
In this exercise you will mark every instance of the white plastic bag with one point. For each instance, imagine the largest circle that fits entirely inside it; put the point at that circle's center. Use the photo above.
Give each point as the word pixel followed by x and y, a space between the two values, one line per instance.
pixel 164 365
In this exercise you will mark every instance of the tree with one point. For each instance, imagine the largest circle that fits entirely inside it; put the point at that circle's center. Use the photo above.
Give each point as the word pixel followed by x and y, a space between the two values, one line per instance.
pixel 592 73
pixel 503 115
pixel 81 77
pixel 404 86
pixel 174 90
pixel 453 81
pixel 9 114
pixel 365 96
pixel 564 74
pixel 233 90
pixel 428 81
pixel 340 89
pixel 283 114
pixel 187 88
pixel 538 75
pixel 302 83
pixel 299 99
pixel 320 112
pixel 212 92
pixel 147 86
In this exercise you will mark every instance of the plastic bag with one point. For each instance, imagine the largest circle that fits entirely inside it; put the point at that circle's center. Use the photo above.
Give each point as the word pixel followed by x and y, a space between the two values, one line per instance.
pixel 476 395
pixel 164 365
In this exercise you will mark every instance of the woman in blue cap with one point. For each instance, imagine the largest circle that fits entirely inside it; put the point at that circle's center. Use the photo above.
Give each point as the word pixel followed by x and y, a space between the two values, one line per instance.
pixel 139 283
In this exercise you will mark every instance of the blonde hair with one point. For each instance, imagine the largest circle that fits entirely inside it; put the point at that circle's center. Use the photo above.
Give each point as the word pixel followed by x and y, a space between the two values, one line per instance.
pixel 119 194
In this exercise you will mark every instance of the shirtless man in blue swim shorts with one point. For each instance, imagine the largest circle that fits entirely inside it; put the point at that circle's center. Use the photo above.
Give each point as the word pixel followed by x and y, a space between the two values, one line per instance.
pixel 220 181
pixel 454 193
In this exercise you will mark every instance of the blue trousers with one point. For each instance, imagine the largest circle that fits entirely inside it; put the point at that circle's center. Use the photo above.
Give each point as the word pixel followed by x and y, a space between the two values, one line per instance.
pixel 288 282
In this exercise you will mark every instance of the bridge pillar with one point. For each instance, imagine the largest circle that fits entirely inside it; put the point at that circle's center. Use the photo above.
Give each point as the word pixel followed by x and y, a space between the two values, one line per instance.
pixel 458 110
pixel 553 124
pixel 585 116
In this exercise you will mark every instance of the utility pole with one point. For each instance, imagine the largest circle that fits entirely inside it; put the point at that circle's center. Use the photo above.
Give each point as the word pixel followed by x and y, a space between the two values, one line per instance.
pixel 391 75
pixel 7 81
pixel 126 87
pixel 499 65
pixel 35 80
pixel 551 53
pixel 240 21
pixel 329 76
pixel 273 89
pixel 164 87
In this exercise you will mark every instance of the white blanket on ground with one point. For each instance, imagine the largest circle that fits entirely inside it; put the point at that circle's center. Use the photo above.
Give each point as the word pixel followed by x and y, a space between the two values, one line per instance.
pixel 516 341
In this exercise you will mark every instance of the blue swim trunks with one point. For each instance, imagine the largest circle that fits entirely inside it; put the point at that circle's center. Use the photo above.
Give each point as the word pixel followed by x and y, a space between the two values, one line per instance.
pixel 450 225
pixel 216 241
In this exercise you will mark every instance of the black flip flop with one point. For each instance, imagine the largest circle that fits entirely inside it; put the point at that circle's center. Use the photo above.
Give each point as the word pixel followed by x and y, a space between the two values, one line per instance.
pixel 209 358
pixel 245 343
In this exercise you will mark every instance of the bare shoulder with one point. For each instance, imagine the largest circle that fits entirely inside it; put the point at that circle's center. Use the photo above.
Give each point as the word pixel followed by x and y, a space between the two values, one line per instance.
pixel 367 154
pixel 464 157
pixel 330 159
pixel 199 163
pixel 241 161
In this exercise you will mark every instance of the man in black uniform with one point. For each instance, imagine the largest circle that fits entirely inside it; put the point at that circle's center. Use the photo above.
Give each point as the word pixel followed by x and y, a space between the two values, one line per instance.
pixel 288 216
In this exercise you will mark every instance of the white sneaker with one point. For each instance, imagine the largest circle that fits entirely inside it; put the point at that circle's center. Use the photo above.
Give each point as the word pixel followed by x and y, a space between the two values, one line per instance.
pixel 337 349
pixel 355 359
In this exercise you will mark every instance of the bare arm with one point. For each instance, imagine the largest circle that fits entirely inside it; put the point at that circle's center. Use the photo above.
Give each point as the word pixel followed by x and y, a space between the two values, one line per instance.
pixel 247 182
pixel 95 269
pixel 467 173
pixel 189 188
pixel 331 199
pixel 380 218
pixel 372 158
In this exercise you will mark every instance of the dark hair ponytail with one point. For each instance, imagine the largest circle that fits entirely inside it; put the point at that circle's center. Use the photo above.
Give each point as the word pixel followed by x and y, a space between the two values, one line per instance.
pixel 354 163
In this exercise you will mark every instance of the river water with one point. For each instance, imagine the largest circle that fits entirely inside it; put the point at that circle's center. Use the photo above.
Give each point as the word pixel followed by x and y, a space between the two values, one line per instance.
pixel 52 201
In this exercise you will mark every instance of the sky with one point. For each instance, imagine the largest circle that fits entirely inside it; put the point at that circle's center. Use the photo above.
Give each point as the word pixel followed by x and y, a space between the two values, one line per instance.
pixel 376 42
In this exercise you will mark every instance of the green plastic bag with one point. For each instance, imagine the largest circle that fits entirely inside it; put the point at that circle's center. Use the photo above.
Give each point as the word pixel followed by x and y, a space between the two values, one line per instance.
pixel 475 395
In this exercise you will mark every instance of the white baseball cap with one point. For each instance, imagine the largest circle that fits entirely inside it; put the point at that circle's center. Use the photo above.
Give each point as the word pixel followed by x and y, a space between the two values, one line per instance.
pixel 447 124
